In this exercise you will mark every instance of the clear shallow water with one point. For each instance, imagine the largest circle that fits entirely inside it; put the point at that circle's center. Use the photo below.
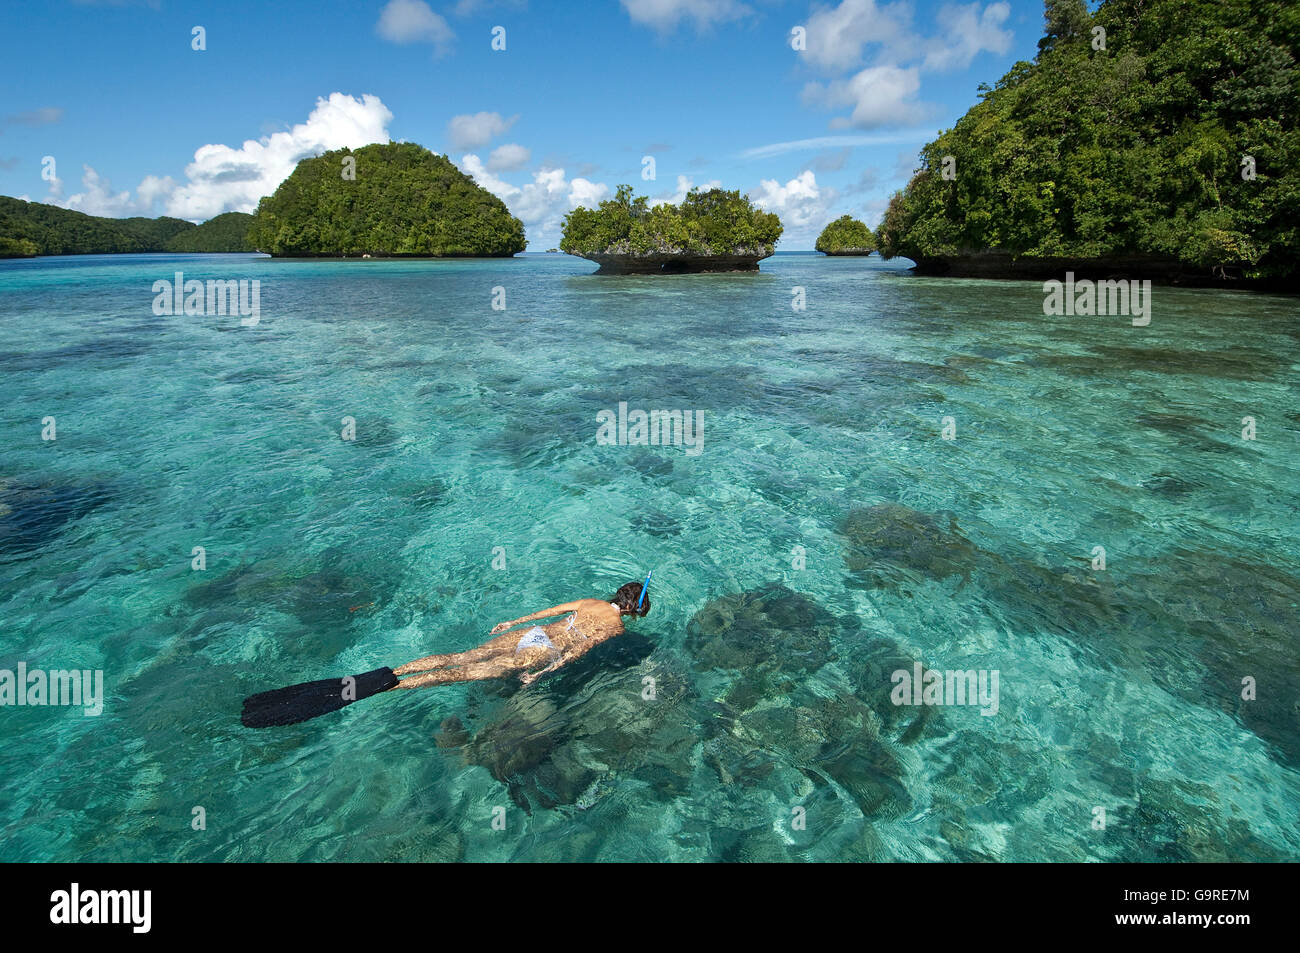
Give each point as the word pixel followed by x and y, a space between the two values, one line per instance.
pixel 476 429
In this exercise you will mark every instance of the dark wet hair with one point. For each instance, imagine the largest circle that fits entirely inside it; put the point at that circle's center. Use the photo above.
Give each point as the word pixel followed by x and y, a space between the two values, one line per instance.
pixel 626 598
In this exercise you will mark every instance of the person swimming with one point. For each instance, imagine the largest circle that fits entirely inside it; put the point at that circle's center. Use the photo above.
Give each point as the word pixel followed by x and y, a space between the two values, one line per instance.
pixel 529 655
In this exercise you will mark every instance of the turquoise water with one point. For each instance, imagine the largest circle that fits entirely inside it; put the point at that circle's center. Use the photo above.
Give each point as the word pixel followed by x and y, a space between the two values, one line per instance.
pixel 771 733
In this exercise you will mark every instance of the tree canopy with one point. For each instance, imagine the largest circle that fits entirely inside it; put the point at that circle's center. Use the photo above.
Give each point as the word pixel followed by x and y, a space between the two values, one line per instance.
pixel 714 222
pixel 846 235
pixel 32 228
pixel 222 233
pixel 386 200
pixel 1171 132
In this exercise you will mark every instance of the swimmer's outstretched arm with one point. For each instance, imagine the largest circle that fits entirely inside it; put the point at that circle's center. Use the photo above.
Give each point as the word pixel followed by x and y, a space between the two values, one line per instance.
pixel 544 614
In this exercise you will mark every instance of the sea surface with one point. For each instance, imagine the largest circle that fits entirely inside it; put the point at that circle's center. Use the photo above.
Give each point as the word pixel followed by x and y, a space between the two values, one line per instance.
pixel 825 537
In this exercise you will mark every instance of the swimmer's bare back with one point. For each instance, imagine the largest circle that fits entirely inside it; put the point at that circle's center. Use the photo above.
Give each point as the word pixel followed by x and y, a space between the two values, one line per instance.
pixel 586 624
pixel 528 654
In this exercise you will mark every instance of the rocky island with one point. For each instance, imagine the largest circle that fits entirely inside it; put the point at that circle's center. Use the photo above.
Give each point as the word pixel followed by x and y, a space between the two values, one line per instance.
pixel 388 200
pixel 1148 139
pixel 846 236
pixel 709 231
pixel 28 229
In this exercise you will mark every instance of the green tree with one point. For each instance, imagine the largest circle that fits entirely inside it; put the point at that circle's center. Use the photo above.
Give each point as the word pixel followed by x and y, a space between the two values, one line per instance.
pixel 402 201
pixel 846 235
pixel 1135 151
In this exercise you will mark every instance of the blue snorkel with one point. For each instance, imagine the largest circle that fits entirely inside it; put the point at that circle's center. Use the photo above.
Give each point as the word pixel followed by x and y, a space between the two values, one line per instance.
pixel 644 586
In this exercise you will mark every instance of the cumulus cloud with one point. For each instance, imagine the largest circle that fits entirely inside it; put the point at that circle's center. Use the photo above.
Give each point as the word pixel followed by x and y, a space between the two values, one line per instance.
pixel 542 203
pixel 878 96
pixel 97 196
pixel 665 15
pixel 413 21
pixel 684 186
pixel 508 158
pixel 837 35
pixel 475 130
pixel 800 203
pixel 222 179
pixel 967 32
pixel 883 93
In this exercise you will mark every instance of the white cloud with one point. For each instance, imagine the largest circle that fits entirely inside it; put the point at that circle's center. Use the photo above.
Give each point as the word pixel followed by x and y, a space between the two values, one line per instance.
pixel 542 203
pixel 665 15
pixel 684 186
pixel 828 142
pixel 97 196
pixel 474 130
pixel 586 193
pixel 837 35
pixel 508 158
pixel 968 31
pixel 879 96
pixel 883 93
pixel 151 190
pixel 800 203
pixel 473 166
pixel 413 21
pixel 222 179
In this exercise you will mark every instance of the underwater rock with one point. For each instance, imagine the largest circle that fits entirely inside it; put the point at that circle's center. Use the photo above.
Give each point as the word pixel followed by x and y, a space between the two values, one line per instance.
pixel 374 432
pixel 555 742
pixel 870 670
pixel 770 628
pixel 32 515
pixel 451 733
pixel 428 495
pixel 774 712
pixel 655 523
pixel 1243 616
pixel 324 600
pixel 888 541
pixel 1169 485
pixel 1176 821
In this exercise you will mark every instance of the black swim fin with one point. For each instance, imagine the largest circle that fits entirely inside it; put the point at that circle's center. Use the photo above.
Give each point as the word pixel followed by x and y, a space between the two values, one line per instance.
pixel 295 703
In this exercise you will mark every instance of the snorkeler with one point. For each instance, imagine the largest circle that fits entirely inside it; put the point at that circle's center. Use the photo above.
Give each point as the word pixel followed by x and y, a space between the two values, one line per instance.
pixel 530 655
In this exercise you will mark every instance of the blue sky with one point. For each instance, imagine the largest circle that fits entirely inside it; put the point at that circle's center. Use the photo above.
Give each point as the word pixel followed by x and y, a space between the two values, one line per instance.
pixel 138 122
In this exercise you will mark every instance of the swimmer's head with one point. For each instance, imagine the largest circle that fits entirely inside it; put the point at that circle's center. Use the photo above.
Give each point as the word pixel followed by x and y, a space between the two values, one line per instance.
pixel 627 596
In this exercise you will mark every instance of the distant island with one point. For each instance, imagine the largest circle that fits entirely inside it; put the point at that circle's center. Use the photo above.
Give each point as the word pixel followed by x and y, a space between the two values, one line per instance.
pixel 28 229
pixel 1150 139
pixel 709 231
pixel 390 200
pixel 846 236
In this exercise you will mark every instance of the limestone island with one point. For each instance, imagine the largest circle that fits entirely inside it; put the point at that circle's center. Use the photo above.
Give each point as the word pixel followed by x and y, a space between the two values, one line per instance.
pixel 710 231
pixel 846 236
pixel 1125 149
pixel 388 200
pixel 28 229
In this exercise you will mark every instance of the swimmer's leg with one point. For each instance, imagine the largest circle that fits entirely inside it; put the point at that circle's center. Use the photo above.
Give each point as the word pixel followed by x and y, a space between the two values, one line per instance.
pixel 501 645
pixel 498 667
